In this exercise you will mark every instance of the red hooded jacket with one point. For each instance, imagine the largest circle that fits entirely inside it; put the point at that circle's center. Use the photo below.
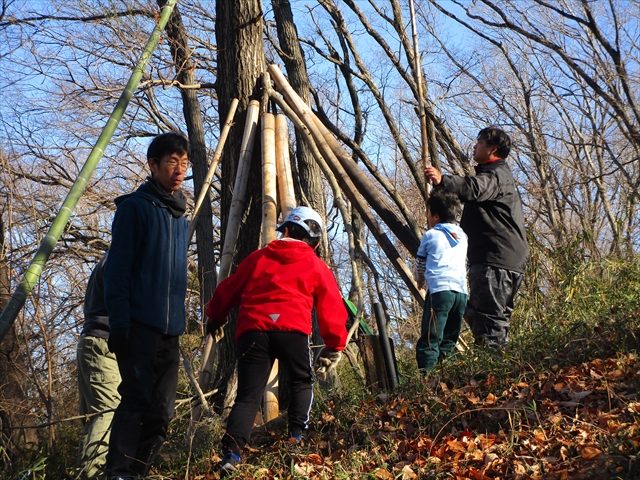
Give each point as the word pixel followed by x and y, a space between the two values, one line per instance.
pixel 276 288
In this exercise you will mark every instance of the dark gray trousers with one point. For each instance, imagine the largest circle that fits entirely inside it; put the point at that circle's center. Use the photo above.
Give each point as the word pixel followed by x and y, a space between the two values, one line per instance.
pixel 148 390
pixel 491 294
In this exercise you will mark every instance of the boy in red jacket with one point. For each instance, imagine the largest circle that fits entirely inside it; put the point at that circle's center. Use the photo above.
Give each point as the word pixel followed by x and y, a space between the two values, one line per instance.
pixel 276 288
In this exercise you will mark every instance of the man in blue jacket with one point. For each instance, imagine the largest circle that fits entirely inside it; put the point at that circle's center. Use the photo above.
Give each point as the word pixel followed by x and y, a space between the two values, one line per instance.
pixel 493 220
pixel 145 283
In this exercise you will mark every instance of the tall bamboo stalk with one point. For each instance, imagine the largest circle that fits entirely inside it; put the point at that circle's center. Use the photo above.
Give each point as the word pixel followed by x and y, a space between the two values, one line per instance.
pixel 283 166
pixel 269 190
pixel 30 278
pixel 194 221
pixel 269 212
pixel 231 235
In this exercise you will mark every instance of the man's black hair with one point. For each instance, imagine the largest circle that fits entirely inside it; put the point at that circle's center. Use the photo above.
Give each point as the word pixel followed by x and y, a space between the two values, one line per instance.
pixel 444 204
pixel 167 143
pixel 299 233
pixel 496 137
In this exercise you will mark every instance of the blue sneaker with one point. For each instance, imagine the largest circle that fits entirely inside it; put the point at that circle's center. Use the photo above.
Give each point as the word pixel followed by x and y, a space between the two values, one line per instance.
pixel 228 464
pixel 295 437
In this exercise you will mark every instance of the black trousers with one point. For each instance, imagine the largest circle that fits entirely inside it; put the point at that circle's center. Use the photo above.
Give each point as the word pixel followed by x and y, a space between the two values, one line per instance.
pixel 492 291
pixel 148 390
pixel 256 353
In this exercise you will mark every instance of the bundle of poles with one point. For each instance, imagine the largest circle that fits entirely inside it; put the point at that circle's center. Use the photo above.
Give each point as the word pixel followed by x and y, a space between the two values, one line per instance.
pixel 341 171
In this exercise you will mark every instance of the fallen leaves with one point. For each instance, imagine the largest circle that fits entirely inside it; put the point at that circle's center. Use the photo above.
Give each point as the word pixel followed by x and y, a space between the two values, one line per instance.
pixel 566 423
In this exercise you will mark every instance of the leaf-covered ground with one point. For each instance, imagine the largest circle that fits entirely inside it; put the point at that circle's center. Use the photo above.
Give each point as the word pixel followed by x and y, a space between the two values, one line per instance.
pixel 578 422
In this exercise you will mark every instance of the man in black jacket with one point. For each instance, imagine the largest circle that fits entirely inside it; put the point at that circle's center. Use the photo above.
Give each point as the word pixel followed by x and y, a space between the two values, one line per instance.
pixel 145 283
pixel 494 222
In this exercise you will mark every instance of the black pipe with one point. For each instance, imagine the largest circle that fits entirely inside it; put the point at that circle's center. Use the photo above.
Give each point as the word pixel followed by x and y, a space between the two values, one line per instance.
pixel 381 320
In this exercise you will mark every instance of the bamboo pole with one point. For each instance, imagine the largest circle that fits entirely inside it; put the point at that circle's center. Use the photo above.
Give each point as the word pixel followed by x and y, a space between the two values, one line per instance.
pixel 367 189
pixel 304 116
pixel 31 276
pixel 192 228
pixel 283 166
pixel 269 194
pixel 331 178
pixel 418 79
pixel 231 237
pixel 269 190
pixel 214 164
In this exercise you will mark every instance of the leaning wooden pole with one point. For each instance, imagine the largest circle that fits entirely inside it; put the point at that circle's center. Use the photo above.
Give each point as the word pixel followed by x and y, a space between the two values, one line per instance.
pixel 269 190
pixel 194 221
pixel 231 236
pixel 269 212
pixel 367 189
pixel 302 117
pixel 422 112
pixel 31 276
pixel 212 167
pixel 424 151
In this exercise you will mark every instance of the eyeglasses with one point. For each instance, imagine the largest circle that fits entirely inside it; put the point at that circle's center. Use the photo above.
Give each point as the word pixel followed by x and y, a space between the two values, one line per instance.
pixel 173 164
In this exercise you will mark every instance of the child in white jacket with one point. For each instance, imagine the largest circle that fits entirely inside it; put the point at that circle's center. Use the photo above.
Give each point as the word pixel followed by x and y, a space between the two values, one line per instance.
pixel 441 263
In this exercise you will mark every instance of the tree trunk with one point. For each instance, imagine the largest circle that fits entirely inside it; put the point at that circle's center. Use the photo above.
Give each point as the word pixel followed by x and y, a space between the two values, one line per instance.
pixel 199 165
pixel 240 65
pixel 308 171
pixel 14 406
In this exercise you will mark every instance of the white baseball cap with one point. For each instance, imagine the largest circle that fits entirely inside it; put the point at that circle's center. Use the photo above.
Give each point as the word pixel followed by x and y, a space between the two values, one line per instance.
pixel 298 216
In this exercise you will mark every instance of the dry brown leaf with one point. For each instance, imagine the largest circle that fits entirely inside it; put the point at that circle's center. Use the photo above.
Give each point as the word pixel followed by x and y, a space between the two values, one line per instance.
pixel 304 469
pixel 615 375
pixel 383 474
pixel 315 459
pixel 556 418
pixel 456 446
pixel 327 417
pixel 590 452
pixel 407 472
pixel 579 395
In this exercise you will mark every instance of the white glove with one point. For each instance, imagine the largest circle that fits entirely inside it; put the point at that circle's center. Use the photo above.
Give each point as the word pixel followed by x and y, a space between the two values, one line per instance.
pixel 327 360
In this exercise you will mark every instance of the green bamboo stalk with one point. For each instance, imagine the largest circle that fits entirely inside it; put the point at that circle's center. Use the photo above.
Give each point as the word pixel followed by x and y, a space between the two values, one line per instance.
pixel 19 297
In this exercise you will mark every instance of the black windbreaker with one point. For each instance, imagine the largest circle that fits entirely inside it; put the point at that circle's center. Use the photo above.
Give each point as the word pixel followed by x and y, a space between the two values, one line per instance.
pixel 492 216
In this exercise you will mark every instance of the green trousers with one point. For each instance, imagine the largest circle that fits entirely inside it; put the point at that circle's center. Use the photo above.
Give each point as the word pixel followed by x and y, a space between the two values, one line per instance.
pixel 98 380
pixel 441 323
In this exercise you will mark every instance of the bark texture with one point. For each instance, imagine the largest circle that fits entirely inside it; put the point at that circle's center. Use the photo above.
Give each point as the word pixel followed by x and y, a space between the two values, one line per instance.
pixel 308 170
pixel 240 65
pixel 184 66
